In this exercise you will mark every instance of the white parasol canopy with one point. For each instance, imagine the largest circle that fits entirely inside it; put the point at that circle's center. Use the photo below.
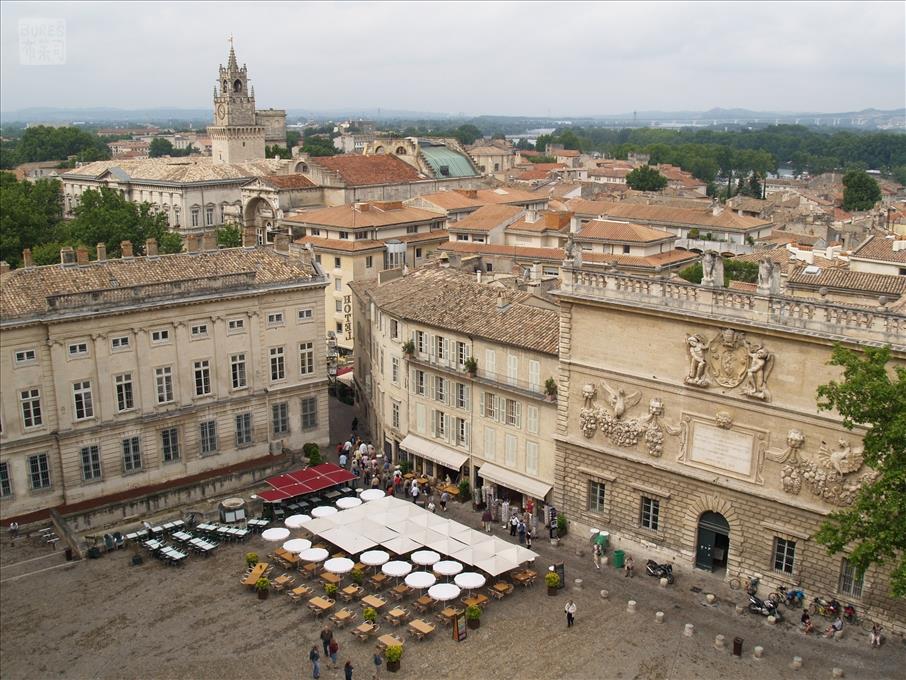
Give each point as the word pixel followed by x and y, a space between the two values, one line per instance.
pixel 339 565
pixel 425 558
pixel 445 545
pixel 348 502
pixel 447 567
pixel 296 521
pixel 276 534
pixel 296 545
pixel 401 545
pixel 371 495
pixel 323 511
pixel 469 580
pixel 443 592
pixel 499 563
pixel 420 580
pixel 320 524
pixel 313 555
pixel 396 568
pixel 347 539
pixel 374 558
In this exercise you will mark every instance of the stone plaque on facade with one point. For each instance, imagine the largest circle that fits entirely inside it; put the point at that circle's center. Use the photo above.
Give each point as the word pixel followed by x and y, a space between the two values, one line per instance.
pixel 723 449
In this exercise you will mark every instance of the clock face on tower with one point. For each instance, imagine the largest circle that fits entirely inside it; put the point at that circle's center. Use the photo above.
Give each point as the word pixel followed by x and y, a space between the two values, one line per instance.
pixel 221 111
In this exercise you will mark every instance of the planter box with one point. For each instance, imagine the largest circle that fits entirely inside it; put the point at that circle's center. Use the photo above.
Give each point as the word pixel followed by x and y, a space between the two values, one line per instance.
pixel 473 623
pixel 552 591
pixel 393 666
pixel 262 594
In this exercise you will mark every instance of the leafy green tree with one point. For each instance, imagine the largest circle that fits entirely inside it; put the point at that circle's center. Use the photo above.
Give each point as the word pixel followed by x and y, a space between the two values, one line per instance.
pixel 899 174
pixel 277 151
pixel 860 191
pixel 318 145
pixel 43 143
pixel 872 395
pixel 160 147
pixel 646 178
pixel 106 217
pixel 524 145
pixel 47 253
pixel 30 214
pixel 292 138
pixel 467 134
pixel 229 236
pixel 169 243
pixel 570 140
pixel 542 141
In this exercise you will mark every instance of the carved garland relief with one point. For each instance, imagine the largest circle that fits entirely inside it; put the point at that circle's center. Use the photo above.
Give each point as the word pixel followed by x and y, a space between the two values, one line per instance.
pixel 729 360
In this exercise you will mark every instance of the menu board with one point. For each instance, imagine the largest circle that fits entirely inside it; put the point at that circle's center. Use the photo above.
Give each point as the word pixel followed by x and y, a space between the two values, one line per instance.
pixel 459 627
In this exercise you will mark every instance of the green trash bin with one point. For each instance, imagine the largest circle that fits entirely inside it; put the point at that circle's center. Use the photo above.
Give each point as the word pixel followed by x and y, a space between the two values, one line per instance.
pixel 618 556
pixel 602 539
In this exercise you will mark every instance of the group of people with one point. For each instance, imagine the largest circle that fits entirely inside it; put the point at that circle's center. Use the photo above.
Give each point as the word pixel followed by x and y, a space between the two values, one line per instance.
pixel 331 648
pixel 521 526
pixel 874 638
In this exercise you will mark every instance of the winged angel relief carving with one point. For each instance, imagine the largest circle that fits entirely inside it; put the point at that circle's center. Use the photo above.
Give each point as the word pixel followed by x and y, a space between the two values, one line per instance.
pixel 623 431
pixel 730 361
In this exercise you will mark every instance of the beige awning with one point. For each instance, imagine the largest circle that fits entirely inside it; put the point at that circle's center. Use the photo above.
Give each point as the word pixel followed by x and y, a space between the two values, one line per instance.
pixel 436 452
pixel 513 480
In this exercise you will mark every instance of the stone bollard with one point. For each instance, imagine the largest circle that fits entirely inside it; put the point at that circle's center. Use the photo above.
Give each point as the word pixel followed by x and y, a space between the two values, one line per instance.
pixel 630 606
pixel 577 584
pixel 797 663
pixel 771 620
pixel 664 582
pixel 604 594
pixel 740 609
pixel 837 672
pixel 710 598
pixel 658 617
pixel 720 643
pixel 604 560
pixel 688 630
pixel 838 635
pixel 757 652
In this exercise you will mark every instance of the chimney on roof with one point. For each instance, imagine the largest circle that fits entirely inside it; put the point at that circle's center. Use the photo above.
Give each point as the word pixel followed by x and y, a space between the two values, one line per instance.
pixel 82 255
pixel 151 247
pixel 249 237
pixel 281 243
pixel 468 193
pixel 209 240
pixel 126 249
pixel 67 256
pixel 478 276
pixel 502 304
pixel 192 242
pixel 362 207
pixel 537 271
pixel 102 252
pixel 4 266
pixel 26 258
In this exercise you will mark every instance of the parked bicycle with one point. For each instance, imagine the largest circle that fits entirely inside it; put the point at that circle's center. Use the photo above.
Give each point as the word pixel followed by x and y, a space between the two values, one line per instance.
pixel 751 584
pixel 791 598
pixel 822 607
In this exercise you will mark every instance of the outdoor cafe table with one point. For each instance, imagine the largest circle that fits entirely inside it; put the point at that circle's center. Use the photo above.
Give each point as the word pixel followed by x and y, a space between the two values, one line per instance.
pixel 420 628
pixel 397 615
pixel 477 600
pixel 449 613
pixel 525 577
pixel 330 577
pixel 501 588
pixel 320 604
pixel 256 573
pixel 386 641
pixel 373 601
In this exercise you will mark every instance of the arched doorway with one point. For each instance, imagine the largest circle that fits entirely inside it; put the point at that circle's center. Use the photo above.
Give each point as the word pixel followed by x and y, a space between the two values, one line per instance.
pixel 260 214
pixel 712 544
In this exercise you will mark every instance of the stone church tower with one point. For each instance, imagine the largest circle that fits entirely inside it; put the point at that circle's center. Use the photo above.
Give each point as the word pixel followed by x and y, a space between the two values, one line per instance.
pixel 237 135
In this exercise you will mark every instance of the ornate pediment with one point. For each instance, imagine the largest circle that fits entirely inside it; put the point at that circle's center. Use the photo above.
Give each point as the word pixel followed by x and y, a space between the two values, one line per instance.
pixel 730 361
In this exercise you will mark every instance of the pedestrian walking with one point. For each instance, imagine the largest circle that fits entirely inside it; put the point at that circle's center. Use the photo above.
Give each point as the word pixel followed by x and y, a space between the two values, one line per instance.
pixel 326 637
pixel 528 537
pixel 377 661
pixel 486 517
pixel 343 459
pixel 415 493
pixel 444 497
pixel 314 657
pixel 431 506
pixel 347 670
pixel 875 637
pixel 596 556
pixel 628 566
pixel 514 524
pixel 332 650
pixel 520 529
pixel 570 610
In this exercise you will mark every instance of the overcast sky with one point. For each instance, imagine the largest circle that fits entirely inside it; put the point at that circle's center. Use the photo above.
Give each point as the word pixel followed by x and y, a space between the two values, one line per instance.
pixel 559 59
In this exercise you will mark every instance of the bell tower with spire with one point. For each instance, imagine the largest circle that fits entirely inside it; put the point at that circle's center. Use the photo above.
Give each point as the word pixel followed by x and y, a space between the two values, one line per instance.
pixel 236 135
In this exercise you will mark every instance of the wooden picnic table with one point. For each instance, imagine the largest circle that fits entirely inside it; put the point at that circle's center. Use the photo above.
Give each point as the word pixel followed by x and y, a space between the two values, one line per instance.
pixel 424 603
pixel 400 591
pixel 421 629
pixel 256 573
pixel 476 600
pixel 388 640
pixel 502 588
pixel 525 577
pixel 320 604
pixel 378 579
pixel 396 616
pixel 342 617
pixel 450 489
pixel 373 601
pixel 363 630
pixel 330 577
pixel 350 592
pixel 447 614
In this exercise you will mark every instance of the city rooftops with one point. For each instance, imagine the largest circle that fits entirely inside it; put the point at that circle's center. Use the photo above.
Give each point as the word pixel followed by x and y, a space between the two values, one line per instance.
pixel 365 215
pixel 623 232
pixel 365 170
pixel 488 217
pixel 692 217
pixel 175 170
pixel 888 249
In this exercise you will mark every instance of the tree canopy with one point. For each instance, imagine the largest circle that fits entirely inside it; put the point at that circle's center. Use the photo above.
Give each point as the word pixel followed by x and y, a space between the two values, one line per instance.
pixel 646 178
pixel 42 143
pixel 860 191
pixel 734 270
pixel 319 145
pixel 872 395
pixel 229 236
pixel 30 214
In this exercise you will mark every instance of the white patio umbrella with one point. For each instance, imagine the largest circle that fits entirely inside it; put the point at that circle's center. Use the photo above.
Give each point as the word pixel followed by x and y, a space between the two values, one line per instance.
pixel 498 563
pixel 313 555
pixel 396 568
pixel 447 568
pixel 348 502
pixel 371 495
pixel 444 545
pixel 320 524
pixel 296 521
pixel 374 531
pixel 374 558
pixel 425 558
pixel 401 545
pixel 443 592
pixel 296 545
pixel 275 534
pixel 469 580
pixel 346 539
pixel 339 565
pixel 323 511
pixel 420 580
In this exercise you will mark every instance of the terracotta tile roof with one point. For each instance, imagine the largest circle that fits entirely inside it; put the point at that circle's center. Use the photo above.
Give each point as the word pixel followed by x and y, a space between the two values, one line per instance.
pixel 434 235
pixel 468 247
pixel 881 249
pixel 787 259
pixel 538 171
pixel 340 244
pixel 778 236
pixel 363 170
pixel 605 230
pixel 665 259
pixel 726 220
pixel 846 280
pixel 566 153
pixel 294 181
pixel 500 195
pixel 451 200
pixel 352 217
pixel 192 169
pixel 453 300
pixel 24 292
pixel 743 286
pixel 489 151
pixel 549 221
pixel 486 218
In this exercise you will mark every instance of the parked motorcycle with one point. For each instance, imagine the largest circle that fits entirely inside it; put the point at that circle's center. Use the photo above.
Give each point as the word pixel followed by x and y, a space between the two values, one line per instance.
pixel 791 598
pixel 764 607
pixel 828 608
pixel 660 570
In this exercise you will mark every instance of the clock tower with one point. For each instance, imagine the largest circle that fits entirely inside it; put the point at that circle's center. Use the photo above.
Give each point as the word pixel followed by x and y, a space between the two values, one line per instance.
pixel 236 135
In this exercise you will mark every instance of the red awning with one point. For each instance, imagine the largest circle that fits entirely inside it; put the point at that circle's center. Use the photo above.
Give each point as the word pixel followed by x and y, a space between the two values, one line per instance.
pixel 280 481
pixel 306 480
pixel 273 496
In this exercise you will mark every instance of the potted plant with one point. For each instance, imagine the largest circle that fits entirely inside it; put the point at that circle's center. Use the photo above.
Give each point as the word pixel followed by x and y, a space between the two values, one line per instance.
pixel 561 525
pixel 313 452
pixel 473 616
pixel 392 655
pixel 552 579
pixel 330 589
pixel 251 559
pixel 464 493
pixel 550 389
pixel 471 366
pixel 370 614
pixel 263 586
pixel 408 348
pixel 405 467
pixel 358 576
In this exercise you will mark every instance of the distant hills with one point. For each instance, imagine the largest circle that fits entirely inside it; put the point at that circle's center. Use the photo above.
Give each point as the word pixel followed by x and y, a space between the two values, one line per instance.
pixel 872 119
